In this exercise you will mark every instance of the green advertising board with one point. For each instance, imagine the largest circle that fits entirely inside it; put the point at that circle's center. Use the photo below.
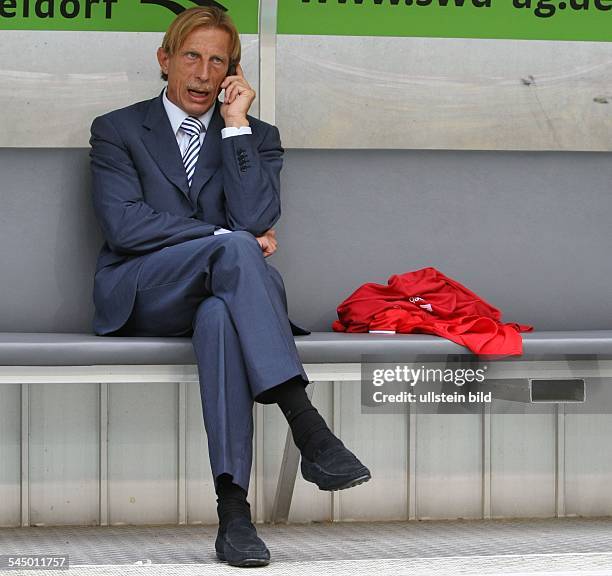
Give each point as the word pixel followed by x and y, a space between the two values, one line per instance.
pixel 587 20
pixel 513 19
pixel 115 15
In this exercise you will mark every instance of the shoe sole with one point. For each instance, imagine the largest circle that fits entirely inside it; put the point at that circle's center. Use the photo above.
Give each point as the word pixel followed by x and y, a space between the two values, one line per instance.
pixel 351 483
pixel 244 563
pixel 348 484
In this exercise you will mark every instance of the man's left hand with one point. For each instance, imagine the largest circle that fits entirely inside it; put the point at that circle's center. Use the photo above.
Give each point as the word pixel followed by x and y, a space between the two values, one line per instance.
pixel 238 99
pixel 268 242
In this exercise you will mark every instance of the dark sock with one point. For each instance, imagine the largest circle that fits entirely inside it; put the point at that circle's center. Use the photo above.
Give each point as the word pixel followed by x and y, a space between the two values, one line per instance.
pixel 309 430
pixel 231 500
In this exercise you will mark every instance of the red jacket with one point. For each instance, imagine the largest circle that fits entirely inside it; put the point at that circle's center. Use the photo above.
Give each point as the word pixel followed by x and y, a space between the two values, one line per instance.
pixel 427 301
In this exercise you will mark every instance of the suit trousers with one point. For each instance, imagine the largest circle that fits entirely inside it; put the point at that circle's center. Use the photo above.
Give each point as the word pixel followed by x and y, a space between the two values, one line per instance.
pixel 221 291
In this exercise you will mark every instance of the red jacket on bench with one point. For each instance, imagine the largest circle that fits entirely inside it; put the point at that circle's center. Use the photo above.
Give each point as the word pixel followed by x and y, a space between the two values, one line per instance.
pixel 427 301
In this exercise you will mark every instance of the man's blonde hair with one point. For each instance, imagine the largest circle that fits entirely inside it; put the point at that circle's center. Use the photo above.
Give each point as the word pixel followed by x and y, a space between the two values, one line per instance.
pixel 200 17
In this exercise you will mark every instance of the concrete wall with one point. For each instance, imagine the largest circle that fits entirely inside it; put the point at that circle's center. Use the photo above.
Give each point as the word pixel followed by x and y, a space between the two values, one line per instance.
pixel 330 91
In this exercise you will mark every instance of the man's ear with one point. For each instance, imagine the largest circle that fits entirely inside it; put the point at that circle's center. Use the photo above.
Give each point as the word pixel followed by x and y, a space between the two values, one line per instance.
pixel 163 57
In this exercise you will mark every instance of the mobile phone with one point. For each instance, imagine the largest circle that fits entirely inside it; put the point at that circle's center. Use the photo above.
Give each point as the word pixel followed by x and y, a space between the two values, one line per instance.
pixel 231 71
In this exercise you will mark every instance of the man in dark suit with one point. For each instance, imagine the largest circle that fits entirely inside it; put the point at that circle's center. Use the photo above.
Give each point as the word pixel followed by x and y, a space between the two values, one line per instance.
pixel 186 190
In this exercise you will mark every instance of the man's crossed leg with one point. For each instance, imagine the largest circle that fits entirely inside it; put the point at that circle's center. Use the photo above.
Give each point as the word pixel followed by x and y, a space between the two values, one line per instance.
pixel 222 292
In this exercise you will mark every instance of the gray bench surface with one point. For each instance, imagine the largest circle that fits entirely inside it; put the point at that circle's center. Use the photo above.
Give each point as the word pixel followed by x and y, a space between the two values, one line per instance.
pixel 53 349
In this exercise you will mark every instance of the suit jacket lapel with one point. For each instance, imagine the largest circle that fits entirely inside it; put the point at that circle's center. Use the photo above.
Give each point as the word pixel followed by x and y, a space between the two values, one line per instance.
pixel 210 155
pixel 161 144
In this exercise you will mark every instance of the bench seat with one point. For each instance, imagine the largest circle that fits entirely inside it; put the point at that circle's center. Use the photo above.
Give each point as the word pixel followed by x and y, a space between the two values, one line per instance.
pixel 55 349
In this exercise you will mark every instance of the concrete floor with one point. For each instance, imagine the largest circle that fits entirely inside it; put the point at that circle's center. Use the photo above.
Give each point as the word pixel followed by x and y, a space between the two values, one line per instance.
pixel 547 546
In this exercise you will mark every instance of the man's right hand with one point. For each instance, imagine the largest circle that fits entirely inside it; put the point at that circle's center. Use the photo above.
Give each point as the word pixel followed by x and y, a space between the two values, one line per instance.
pixel 268 242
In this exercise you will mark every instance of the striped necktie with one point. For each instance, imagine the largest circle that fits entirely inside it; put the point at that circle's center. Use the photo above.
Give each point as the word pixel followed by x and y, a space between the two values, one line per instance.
pixel 193 128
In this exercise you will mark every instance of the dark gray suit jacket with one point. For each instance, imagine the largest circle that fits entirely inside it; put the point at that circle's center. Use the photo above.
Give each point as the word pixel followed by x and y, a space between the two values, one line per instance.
pixel 143 202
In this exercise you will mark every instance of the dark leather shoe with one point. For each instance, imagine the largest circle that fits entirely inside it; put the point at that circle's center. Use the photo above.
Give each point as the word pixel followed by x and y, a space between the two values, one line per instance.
pixel 239 545
pixel 335 468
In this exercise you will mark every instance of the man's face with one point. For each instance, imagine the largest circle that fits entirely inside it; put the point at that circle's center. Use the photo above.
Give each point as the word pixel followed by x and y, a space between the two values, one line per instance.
pixel 196 70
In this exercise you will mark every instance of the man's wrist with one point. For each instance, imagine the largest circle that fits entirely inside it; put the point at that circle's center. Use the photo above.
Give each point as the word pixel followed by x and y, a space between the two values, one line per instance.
pixel 237 122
